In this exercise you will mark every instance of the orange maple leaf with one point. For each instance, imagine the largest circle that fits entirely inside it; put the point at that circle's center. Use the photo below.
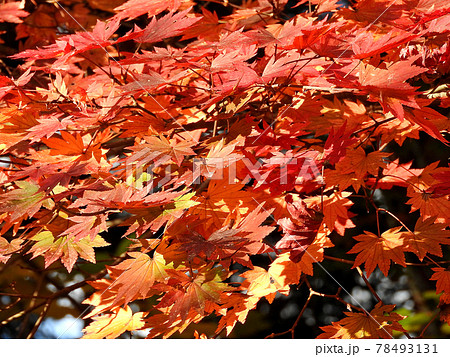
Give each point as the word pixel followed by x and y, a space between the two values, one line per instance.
pixel 442 277
pixel 379 323
pixel 335 211
pixel 427 237
pixel 135 277
pixel 193 293
pixel 238 306
pixel 375 250
pixel 221 198
pixel 354 167
pixel 430 205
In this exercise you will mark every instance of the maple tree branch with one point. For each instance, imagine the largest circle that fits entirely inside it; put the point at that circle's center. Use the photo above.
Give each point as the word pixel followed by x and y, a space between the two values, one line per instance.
pixel 84 214
pixel 376 124
pixel 40 319
pixel 53 296
pixel 111 76
pixel 427 325
pixel 297 320
pixel 346 261
pixel 369 286
pixel 336 296
pixel 31 304
pixel 396 218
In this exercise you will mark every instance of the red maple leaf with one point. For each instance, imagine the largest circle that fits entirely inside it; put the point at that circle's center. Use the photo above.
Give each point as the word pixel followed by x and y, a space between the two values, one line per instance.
pixel 172 24
pixel 299 232
pixel 336 144
pixel 135 8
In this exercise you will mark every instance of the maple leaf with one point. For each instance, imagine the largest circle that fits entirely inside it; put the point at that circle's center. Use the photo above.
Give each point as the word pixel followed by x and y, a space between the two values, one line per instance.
pixel 70 45
pixel 135 277
pixel 378 323
pixel 97 38
pixel 8 248
pixel 86 226
pixel 12 12
pixel 47 127
pixel 135 8
pixel 56 174
pixel 241 76
pixel 49 51
pixel 13 123
pixel 389 86
pixel 376 250
pixel 157 146
pixel 366 45
pixel 261 283
pixel 442 277
pixel 425 117
pixel 251 226
pixel 113 324
pixel 336 144
pixel 103 297
pixel 280 67
pixel 231 242
pixel 396 174
pixel 24 201
pixel 430 205
pixel 74 146
pixel 153 215
pixel 362 164
pixel 194 293
pixel 282 171
pixel 172 24
pixel 354 167
pixel 8 84
pixel 144 82
pixel 64 248
pixel 196 245
pixel 335 212
pixel 445 309
pixel 238 306
pixel 314 253
pixel 300 233
pixel 227 59
pixel 208 27
pixel 427 238
pixel 220 199
pixel 285 271
pixel 219 157
pixel 376 11
pixel 442 186
pixel 93 140
pixel 302 32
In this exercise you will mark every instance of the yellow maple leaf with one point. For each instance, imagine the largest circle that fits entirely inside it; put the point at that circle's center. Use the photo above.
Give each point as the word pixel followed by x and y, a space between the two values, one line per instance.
pixel 114 324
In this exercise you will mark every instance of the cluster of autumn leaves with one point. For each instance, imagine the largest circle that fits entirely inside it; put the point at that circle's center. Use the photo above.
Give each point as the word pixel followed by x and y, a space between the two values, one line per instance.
pixel 205 136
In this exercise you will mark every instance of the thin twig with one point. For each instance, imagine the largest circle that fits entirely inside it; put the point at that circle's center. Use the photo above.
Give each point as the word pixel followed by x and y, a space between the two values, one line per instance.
pixel 369 286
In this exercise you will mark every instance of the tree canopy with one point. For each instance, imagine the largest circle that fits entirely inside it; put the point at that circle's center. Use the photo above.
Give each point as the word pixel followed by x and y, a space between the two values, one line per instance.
pixel 178 167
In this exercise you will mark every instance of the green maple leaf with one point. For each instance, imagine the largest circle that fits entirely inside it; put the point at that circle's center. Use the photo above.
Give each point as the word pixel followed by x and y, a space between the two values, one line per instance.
pixel 23 201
